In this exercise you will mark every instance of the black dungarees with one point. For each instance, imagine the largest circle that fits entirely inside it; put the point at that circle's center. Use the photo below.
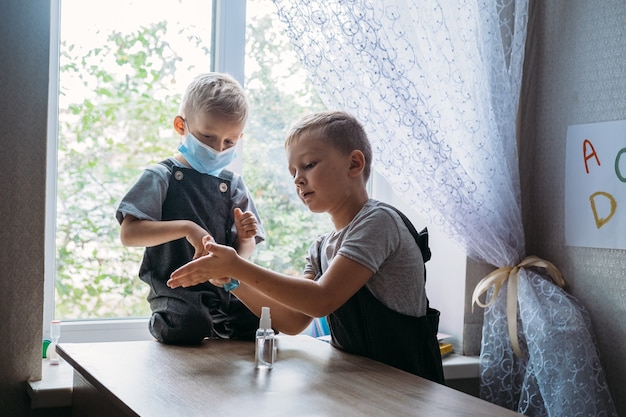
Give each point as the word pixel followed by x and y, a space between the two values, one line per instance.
pixel 365 326
pixel 188 315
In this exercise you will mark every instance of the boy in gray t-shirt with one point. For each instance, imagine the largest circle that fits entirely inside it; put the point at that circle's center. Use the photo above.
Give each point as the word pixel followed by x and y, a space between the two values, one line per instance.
pixel 367 275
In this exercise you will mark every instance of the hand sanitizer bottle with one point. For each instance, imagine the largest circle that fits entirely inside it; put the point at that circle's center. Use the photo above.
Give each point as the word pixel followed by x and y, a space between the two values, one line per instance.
pixel 264 349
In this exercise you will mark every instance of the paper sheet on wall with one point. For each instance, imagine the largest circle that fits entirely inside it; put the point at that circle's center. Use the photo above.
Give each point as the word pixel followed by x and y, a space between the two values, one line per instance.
pixel 595 185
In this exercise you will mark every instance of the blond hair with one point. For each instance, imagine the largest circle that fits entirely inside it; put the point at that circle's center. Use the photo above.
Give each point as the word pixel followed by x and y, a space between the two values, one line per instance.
pixel 338 129
pixel 215 92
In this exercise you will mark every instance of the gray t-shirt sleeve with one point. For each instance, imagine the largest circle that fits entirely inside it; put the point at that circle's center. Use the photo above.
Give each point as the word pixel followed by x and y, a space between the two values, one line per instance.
pixel 368 240
pixel 371 240
pixel 312 266
pixel 144 199
pixel 382 243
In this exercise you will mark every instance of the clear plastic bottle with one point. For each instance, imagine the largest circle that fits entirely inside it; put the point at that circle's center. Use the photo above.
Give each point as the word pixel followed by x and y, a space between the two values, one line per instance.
pixel 264 349
pixel 55 335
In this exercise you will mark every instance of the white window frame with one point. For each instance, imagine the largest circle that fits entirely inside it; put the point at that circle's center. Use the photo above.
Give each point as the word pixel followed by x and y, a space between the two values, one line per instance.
pixel 51 167
pixel 446 271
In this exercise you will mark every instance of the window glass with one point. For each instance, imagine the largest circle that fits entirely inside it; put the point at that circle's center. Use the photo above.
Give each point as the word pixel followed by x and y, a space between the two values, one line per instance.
pixel 279 93
pixel 122 65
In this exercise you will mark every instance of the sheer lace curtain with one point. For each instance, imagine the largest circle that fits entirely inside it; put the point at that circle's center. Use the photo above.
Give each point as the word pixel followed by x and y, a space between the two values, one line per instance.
pixel 436 85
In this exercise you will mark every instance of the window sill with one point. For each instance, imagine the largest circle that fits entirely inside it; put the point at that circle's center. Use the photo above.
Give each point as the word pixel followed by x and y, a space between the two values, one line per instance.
pixel 55 387
pixel 457 366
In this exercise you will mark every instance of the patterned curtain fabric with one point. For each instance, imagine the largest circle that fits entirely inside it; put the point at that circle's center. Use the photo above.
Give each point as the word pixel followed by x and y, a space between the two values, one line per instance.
pixel 436 85
pixel 559 373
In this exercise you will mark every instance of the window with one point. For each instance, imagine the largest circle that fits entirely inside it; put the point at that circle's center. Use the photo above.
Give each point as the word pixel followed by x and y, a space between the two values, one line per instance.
pixel 120 71
pixel 120 74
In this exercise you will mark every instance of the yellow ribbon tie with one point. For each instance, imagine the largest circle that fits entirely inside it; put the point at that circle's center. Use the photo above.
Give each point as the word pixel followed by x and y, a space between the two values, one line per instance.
pixel 497 278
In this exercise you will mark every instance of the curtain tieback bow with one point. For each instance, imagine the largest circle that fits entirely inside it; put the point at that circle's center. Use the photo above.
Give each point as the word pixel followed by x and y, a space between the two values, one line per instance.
pixel 497 279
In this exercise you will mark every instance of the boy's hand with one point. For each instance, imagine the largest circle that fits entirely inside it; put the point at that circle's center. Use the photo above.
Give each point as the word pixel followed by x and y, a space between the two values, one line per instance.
pixel 206 239
pixel 214 266
pixel 197 238
pixel 246 224
pixel 218 282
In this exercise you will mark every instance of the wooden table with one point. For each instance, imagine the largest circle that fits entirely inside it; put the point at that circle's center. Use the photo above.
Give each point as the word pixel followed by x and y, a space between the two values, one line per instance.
pixel 217 378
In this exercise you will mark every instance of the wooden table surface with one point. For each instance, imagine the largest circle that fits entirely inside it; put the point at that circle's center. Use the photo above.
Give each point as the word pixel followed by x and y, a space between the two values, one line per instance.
pixel 217 378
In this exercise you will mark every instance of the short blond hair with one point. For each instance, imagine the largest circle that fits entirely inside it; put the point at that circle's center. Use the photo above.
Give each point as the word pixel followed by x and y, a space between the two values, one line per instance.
pixel 338 129
pixel 215 92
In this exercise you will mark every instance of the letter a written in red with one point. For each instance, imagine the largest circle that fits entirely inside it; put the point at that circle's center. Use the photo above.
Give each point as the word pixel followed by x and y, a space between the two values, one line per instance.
pixel 589 152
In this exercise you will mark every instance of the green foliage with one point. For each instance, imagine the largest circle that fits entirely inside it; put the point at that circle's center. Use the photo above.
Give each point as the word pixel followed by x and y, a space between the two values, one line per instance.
pixel 276 102
pixel 123 123
pixel 104 141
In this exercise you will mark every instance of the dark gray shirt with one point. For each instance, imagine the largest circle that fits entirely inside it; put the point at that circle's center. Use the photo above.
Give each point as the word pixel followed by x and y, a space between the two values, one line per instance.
pixel 145 198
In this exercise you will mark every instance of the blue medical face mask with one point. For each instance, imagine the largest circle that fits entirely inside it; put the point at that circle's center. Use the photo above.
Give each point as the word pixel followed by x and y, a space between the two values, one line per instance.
pixel 203 158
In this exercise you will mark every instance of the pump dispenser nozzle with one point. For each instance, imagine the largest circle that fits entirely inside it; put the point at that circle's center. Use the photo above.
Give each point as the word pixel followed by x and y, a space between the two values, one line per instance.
pixel 266 318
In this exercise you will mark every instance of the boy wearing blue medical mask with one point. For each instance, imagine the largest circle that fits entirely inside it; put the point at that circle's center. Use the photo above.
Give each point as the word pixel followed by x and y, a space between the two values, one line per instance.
pixel 177 202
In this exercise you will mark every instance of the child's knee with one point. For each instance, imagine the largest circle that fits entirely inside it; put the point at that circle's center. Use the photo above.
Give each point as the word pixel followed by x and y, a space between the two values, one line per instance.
pixel 182 330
